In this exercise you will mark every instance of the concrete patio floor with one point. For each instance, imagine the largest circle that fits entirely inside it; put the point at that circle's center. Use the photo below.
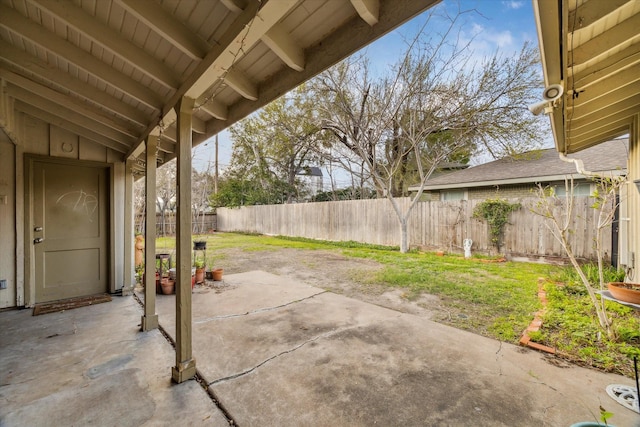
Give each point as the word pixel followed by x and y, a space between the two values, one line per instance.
pixel 276 352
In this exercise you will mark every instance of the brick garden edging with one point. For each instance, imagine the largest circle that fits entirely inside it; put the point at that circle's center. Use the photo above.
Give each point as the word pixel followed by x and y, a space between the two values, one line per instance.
pixel 536 323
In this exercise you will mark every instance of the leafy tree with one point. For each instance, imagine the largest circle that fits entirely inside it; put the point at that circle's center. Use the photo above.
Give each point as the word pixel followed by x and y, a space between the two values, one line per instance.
pixel 234 191
pixel 435 106
pixel 275 144
pixel 350 193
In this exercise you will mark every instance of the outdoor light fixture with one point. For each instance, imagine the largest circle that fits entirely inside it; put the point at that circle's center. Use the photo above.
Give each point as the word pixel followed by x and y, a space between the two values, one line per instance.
pixel 550 95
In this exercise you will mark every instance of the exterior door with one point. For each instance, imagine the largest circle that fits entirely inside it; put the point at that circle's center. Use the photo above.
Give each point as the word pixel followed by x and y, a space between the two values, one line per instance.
pixel 70 209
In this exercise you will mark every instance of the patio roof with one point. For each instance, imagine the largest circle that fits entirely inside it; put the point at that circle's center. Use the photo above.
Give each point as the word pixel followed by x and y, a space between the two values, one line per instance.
pixel 591 48
pixel 112 71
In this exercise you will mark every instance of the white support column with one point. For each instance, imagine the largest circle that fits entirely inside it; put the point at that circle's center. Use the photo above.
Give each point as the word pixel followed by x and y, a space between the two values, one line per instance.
pixel 150 318
pixel 185 363
pixel 129 271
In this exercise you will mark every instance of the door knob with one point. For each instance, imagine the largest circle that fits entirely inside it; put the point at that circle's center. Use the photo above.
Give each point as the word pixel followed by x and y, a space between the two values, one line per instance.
pixel 38 240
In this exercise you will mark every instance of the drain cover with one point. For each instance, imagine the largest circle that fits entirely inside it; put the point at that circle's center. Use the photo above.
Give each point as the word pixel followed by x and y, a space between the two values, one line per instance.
pixel 625 395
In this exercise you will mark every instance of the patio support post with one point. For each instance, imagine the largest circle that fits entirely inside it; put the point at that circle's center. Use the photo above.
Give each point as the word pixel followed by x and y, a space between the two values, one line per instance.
pixel 150 318
pixel 129 271
pixel 185 363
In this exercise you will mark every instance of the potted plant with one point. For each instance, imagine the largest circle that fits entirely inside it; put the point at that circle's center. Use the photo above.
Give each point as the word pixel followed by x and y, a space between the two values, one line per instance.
pixel 199 264
pixel 168 286
pixel 623 291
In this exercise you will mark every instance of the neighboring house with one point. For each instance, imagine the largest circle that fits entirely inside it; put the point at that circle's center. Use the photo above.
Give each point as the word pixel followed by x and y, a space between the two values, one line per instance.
pixel 590 49
pixel 519 177
pixel 311 176
pixel 93 93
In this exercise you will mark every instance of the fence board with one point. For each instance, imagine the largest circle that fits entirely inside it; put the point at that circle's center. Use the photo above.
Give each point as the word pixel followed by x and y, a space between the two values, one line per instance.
pixel 433 225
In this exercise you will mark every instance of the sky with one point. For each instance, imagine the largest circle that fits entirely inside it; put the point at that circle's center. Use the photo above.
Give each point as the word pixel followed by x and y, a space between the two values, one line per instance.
pixel 491 26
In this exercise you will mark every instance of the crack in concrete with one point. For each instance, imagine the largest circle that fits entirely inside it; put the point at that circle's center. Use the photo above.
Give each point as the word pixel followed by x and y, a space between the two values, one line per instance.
pixel 260 310
pixel 498 361
pixel 199 378
pixel 291 350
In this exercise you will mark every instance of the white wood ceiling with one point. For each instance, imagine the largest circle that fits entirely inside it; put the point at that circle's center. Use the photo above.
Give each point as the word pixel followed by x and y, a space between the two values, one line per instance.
pixel 112 70
pixel 593 48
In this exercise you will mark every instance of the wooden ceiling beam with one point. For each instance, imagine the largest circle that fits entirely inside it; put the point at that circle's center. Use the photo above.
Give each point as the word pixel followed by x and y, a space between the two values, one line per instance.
pixel 241 84
pixel 24 62
pixel 283 45
pixel 24 27
pixel 235 6
pixel 163 23
pixel 368 10
pixel 110 39
pixel 611 111
pixel 604 69
pixel 615 83
pixel 71 103
pixel 70 115
pixel 350 37
pixel 602 43
pixel 604 134
pixel 245 32
pixel 215 109
pixel 591 12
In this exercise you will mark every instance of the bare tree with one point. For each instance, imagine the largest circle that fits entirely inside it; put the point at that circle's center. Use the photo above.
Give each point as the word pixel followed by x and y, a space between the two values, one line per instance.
pixel 166 195
pixel 560 216
pixel 139 201
pixel 201 189
pixel 436 105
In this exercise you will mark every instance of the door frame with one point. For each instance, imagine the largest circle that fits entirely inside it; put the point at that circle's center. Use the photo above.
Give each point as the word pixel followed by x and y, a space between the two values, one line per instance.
pixel 29 249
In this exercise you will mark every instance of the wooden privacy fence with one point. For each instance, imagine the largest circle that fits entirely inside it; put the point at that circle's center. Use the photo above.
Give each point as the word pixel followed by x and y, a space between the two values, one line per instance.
pixel 166 226
pixel 432 225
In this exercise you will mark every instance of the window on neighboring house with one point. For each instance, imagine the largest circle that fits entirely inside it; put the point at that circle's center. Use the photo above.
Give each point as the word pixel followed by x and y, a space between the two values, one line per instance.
pixel 579 190
pixel 453 195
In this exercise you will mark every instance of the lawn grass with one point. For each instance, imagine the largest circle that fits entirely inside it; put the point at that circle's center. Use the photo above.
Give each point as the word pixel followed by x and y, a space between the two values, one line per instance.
pixel 571 327
pixel 494 299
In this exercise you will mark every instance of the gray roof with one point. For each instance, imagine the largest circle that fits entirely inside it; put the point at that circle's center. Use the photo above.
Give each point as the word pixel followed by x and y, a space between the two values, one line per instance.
pixel 310 171
pixel 535 166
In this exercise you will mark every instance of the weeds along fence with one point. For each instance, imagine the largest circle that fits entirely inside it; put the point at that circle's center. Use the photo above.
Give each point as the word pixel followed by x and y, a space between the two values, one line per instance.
pixel 432 226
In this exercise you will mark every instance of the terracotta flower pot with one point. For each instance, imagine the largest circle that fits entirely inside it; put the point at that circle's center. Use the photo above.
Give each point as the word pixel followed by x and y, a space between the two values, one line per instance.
pixel 627 292
pixel 168 286
pixel 199 275
pixel 217 274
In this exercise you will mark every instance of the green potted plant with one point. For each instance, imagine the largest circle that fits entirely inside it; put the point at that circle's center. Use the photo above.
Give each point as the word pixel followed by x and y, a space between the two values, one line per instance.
pixel 199 265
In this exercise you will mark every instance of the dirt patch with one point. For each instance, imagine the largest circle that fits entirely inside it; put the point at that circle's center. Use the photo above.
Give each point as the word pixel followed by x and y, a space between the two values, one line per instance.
pixel 330 271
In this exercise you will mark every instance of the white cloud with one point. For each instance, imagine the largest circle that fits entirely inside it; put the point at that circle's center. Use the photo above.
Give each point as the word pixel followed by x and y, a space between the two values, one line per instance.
pixel 513 4
pixel 501 39
pixel 487 40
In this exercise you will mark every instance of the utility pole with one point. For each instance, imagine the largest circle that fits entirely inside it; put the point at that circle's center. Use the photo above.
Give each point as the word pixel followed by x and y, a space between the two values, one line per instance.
pixel 215 176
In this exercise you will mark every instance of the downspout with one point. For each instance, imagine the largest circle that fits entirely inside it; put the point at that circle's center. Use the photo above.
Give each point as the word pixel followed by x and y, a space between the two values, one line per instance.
pixel 579 165
pixel 581 170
